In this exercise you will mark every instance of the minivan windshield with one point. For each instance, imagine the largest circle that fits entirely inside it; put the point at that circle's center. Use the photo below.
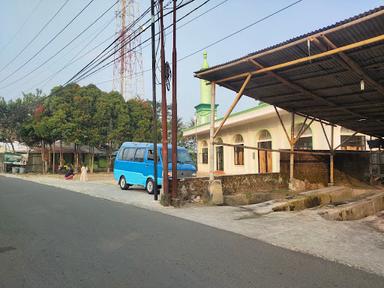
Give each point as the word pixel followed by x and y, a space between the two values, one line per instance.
pixel 183 156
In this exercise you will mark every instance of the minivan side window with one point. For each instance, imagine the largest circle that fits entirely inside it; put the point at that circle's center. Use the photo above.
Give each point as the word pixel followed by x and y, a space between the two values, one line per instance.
pixel 139 156
pixel 128 154
pixel 151 156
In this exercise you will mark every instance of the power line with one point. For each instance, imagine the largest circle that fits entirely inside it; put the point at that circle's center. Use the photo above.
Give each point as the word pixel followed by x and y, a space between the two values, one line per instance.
pixel 76 57
pixel 35 37
pixel 30 14
pixel 113 50
pixel 229 35
pixel 58 52
pixel 241 30
pixel 90 72
pixel 62 86
pixel 158 33
pixel 49 42
pixel 109 46
pixel 73 60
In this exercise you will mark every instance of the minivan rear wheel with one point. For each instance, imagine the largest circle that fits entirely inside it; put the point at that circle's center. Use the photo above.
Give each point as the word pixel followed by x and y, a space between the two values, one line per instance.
pixel 149 186
pixel 123 183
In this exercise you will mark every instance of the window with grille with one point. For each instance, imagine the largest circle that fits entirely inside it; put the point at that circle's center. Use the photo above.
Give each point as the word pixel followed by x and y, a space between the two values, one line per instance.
pixel 239 154
pixel 238 149
pixel 204 155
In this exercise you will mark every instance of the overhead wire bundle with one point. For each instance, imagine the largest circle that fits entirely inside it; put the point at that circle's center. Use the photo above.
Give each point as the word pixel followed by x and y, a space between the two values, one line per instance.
pixel 102 60
pixel 94 66
pixel 63 48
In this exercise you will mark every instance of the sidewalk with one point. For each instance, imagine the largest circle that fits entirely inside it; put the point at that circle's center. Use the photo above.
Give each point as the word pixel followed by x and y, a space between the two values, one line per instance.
pixel 350 242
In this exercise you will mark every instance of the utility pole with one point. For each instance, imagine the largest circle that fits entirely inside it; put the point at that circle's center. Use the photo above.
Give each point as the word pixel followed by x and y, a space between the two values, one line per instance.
pixel 163 105
pixel 155 191
pixel 174 107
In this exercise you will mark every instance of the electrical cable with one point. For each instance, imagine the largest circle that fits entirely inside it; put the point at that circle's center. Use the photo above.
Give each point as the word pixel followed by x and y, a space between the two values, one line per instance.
pixel 105 49
pixel 166 28
pixel 76 57
pixel 30 14
pixel 59 51
pixel 241 30
pixel 90 72
pixel 49 42
pixel 113 52
pixel 35 37
pixel 234 33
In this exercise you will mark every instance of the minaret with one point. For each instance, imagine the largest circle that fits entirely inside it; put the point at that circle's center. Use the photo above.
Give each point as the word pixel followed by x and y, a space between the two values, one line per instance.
pixel 203 110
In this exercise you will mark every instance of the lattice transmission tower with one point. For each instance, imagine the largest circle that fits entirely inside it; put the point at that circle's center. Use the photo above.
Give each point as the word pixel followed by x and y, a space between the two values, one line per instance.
pixel 128 63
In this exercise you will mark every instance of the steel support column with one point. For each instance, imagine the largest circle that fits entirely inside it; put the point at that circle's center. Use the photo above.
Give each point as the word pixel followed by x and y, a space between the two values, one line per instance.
pixel 212 132
pixel 331 160
pixel 292 144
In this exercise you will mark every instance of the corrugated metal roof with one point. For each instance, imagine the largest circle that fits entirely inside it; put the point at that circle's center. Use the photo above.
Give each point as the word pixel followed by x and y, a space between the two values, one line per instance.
pixel 308 35
pixel 327 82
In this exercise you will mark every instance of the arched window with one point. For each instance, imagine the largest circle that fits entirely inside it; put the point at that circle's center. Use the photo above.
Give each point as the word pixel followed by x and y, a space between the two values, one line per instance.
pixel 219 155
pixel 264 135
pixel 305 140
pixel 349 142
pixel 239 149
pixel 204 152
pixel 219 141
pixel 264 140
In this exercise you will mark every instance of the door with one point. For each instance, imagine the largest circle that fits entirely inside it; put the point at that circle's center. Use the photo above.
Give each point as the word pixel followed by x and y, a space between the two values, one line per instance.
pixel 139 166
pixel 149 165
pixel 265 157
pixel 220 158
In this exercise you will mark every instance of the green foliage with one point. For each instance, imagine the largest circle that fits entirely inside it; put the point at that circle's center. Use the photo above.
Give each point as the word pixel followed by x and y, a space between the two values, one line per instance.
pixel 141 122
pixel 80 115
pixel 14 114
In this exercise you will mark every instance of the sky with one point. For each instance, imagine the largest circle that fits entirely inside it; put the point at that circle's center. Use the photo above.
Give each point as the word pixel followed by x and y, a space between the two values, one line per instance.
pixel 20 21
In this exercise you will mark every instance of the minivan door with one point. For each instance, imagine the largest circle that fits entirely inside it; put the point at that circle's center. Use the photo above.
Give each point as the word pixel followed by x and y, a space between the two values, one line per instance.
pixel 139 164
pixel 149 164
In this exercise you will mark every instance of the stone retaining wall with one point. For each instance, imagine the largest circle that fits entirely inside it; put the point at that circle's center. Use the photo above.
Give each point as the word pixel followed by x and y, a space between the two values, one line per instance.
pixel 237 189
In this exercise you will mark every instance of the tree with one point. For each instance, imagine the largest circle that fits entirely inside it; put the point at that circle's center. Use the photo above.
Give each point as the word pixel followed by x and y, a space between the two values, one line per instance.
pixel 112 120
pixel 14 114
pixel 141 120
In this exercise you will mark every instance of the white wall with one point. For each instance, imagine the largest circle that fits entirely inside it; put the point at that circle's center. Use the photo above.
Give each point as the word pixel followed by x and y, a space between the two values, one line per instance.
pixel 250 132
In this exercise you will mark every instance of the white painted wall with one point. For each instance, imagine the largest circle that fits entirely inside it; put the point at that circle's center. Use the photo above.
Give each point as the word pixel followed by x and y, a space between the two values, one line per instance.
pixel 249 127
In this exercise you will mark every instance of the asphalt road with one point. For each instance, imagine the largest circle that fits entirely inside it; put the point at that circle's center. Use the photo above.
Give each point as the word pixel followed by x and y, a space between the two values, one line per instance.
pixel 51 237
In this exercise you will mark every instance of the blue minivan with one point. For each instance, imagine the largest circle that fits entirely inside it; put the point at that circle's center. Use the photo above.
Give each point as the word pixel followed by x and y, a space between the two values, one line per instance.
pixel 134 165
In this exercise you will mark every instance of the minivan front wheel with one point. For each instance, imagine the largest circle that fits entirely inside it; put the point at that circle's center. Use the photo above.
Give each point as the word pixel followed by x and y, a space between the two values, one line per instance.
pixel 149 186
pixel 123 183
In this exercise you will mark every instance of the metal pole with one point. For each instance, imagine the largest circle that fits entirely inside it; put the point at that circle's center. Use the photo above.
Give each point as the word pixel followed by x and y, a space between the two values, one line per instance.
pixel 174 107
pixel 154 101
pixel 163 104
pixel 212 132
pixel 292 144
pixel 331 160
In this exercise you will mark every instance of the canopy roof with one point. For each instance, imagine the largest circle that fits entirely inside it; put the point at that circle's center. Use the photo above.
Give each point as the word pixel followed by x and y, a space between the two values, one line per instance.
pixel 335 74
